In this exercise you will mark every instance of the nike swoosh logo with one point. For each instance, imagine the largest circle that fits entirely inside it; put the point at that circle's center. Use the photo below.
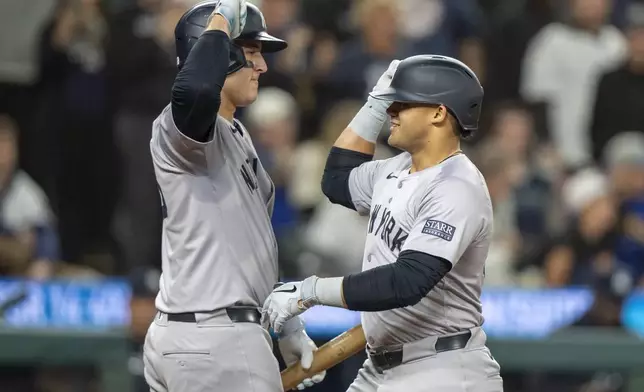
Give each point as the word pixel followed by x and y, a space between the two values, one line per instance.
pixel 390 176
pixel 291 290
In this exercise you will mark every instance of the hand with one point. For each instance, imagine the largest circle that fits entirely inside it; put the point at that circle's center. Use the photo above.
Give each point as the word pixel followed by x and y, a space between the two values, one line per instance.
pixel 234 11
pixel 378 107
pixel 385 79
pixel 295 345
pixel 289 300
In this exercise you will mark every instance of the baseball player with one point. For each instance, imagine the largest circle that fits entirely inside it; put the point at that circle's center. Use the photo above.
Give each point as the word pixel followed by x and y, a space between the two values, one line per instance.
pixel 430 221
pixel 219 251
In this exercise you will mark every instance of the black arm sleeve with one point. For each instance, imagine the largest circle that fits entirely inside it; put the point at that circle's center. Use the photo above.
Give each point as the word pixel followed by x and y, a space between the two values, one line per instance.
pixel 197 87
pixel 397 285
pixel 335 181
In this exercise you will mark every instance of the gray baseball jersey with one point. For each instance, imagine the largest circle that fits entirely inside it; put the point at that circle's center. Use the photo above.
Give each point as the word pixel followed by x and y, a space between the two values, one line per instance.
pixel 218 244
pixel 444 211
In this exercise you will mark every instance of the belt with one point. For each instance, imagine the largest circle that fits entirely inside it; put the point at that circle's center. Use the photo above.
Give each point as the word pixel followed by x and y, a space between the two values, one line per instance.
pixel 238 314
pixel 384 359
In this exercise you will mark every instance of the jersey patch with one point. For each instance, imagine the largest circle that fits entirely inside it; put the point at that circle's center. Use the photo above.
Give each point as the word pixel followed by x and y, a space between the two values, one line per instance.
pixel 439 229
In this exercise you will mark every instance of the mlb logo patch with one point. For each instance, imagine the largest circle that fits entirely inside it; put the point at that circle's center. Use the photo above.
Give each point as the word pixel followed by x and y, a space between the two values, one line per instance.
pixel 439 229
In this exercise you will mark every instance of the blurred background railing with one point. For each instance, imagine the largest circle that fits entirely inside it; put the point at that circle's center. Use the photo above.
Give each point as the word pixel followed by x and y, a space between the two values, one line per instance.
pixel 561 147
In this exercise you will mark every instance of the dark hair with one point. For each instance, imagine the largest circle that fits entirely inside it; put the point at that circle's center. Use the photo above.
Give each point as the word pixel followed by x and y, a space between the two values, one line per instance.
pixel 8 125
pixel 456 127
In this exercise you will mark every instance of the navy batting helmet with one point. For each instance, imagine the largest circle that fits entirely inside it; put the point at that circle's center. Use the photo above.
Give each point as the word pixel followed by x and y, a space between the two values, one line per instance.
pixel 438 80
pixel 195 20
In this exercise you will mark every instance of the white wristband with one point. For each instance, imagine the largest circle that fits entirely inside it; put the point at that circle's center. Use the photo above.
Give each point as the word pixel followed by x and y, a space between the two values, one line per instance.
pixel 329 291
pixel 369 120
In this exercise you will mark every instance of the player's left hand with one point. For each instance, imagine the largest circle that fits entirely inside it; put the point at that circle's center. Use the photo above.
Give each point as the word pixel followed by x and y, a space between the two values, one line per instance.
pixel 385 79
pixel 295 345
pixel 288 301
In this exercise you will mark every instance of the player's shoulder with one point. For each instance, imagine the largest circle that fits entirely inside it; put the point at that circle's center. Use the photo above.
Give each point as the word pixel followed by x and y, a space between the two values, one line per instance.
pixel 395 163
pixel 162 118
pixel 459 179
pixel 164 123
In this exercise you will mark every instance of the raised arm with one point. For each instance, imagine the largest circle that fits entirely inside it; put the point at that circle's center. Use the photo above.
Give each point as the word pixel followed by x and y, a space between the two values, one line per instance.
pixel 354 149
pixel 197 87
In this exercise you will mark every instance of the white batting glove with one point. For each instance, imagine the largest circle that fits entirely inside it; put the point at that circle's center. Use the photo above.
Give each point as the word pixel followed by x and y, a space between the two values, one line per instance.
pixel 295 345
pixel 369 120
pixel 289 300
pixel 385 79
pixel 234 11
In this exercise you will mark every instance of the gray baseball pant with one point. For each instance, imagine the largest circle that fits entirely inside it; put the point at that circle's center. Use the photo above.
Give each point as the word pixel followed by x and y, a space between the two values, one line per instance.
pixel 470 369
pixel 212 355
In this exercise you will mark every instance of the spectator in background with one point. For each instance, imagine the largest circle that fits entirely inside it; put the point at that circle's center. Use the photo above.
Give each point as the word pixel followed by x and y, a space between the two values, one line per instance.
pixel 283 20
pixel 561 69
pixel 340 247
pixel 28 241
pixel 141 66
pixel 529 169
pixel 624 160
pixel 273 121
pixel 449 27
pixel 511 25
pixel 620 93
pixel 586 251
pixel 311 155
pixel 21 23
pixel 506 241
pixel 364 58
pixel 75 93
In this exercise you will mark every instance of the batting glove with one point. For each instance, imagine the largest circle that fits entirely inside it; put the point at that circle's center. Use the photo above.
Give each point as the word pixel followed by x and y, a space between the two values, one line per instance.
pixel 295 345
pixel 384 81
pixel 234 11
pixel 289 300
pixel 371 117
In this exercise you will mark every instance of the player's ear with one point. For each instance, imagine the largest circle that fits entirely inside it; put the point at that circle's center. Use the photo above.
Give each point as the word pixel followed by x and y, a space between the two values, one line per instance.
pixel 439 115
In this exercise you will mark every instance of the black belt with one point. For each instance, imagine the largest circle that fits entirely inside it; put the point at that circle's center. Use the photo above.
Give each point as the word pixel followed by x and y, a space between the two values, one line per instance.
pixel 238 314
pixel 384 359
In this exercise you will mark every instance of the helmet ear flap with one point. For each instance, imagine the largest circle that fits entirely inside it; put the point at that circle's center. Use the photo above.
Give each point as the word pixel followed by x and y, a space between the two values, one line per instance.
pixel 237 59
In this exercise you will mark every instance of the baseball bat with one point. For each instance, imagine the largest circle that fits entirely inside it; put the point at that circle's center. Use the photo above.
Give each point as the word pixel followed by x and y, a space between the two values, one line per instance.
pixel 328 355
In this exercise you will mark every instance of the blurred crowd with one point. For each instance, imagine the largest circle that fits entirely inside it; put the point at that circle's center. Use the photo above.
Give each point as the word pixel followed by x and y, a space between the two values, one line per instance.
pixel 561 142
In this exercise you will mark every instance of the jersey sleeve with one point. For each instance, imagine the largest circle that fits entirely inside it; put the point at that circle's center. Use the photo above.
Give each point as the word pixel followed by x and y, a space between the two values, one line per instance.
pixel 362 180
pixel 447 220
pixel 179 150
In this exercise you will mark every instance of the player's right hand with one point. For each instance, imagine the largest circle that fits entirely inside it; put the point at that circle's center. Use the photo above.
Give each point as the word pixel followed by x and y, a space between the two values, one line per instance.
pixel 234 11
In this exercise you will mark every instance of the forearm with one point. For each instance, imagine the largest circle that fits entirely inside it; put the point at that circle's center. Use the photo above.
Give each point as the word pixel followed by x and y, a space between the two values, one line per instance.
pixel 350 140
pixel 196 93
pixel 218 22
pixel 397 285
pixel 362 132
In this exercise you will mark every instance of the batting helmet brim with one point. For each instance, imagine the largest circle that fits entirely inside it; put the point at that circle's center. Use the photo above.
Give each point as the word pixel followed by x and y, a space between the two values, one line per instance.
pixel 395 95
pixel 270 44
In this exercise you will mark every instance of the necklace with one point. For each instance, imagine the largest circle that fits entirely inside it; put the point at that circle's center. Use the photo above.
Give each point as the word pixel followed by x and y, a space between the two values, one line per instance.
pixel 455 153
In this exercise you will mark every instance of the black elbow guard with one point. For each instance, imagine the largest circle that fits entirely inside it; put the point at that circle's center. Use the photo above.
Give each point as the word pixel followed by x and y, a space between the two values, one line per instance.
pixel 335 181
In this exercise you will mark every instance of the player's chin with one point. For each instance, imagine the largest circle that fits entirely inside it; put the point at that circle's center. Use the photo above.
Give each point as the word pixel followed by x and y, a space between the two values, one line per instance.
pixel 393 141
pixel 253 90
pixel 249 97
